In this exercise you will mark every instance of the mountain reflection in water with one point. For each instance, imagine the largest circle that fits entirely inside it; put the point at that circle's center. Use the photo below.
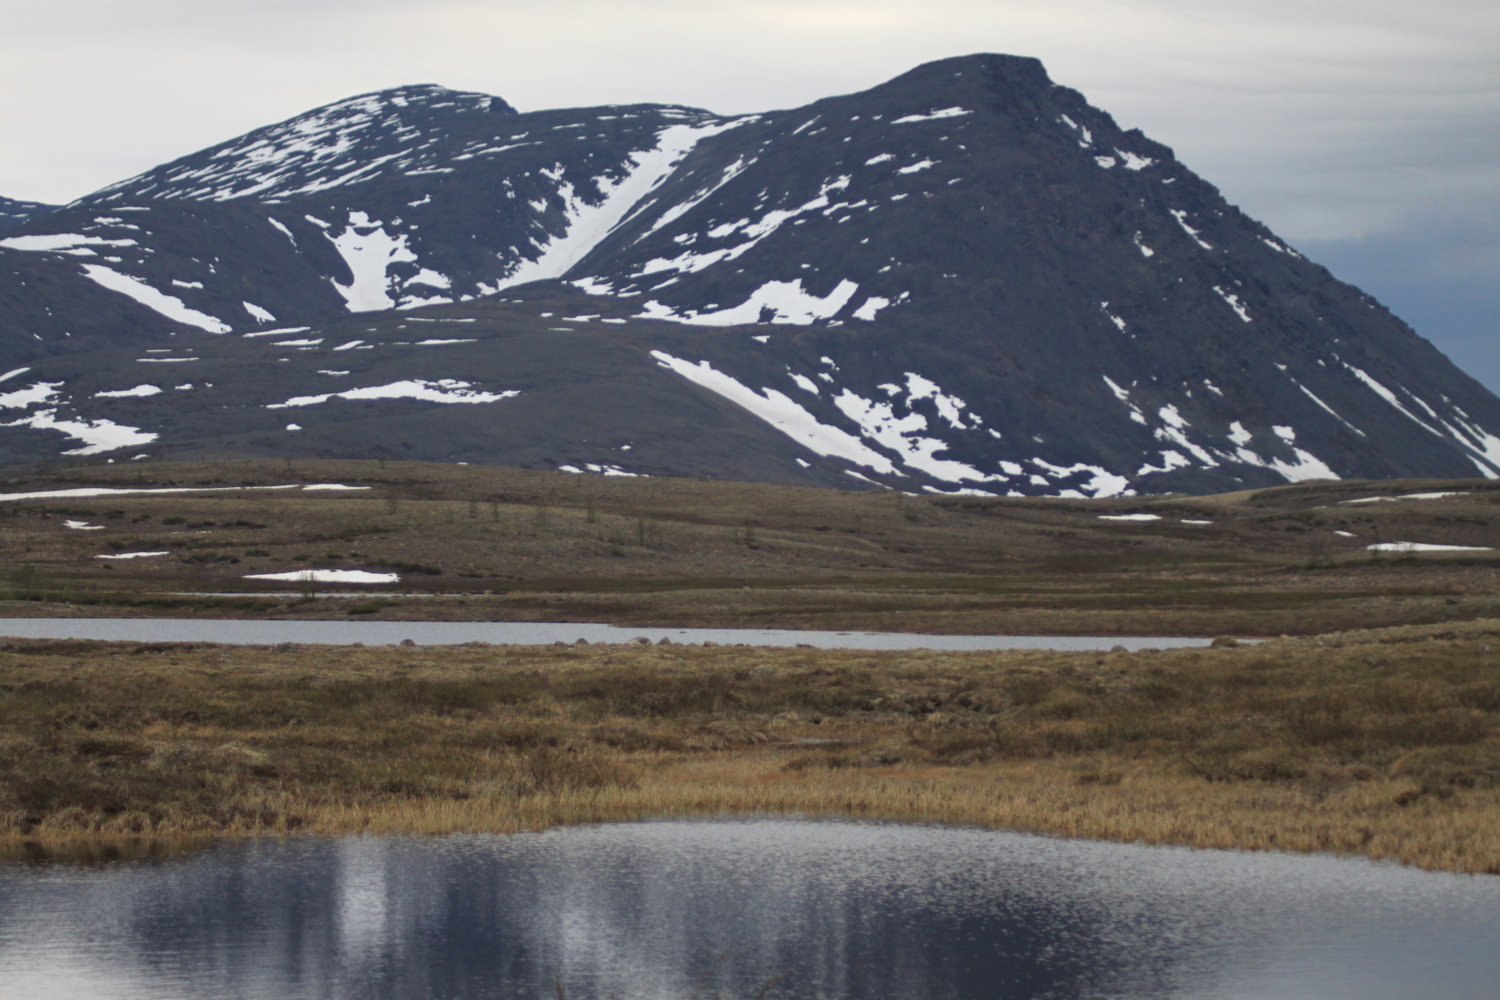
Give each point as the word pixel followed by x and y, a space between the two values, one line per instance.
pixel 772 908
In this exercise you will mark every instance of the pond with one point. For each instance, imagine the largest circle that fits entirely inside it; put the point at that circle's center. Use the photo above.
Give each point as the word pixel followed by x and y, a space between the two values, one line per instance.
pixel 744 908
pixel 343 633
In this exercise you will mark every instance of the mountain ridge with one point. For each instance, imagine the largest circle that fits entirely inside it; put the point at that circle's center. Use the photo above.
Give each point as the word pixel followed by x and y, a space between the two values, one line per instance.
pixel 14 213
pixel 964 279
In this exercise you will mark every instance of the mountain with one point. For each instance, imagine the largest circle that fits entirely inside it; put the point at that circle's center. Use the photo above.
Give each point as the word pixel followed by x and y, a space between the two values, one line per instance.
pixel 17 213
pixel 964 280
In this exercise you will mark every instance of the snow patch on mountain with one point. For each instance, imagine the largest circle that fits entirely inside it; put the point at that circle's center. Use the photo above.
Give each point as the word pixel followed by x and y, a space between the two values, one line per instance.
pixel 1134 161
pixel 1328 409
pixel 70 243
pixel 20 399
pixel 1181 218
pixel 751 233
pixel 903 435
pixel 786 301
pixel 1233 301
pixel 159 302
pixel 932 116
pixel 587 224
pixel 676 212
pixel 330 147
pixel 98 436
pixel 1306 466
pixel 260 315
pixel 368 251
pixel 1100 481
pixel 440 391
pixel 781 412
pixel 1123 396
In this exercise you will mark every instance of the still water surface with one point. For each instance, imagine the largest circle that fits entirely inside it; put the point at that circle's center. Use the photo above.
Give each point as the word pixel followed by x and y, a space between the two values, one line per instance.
pixel 774 909
pixel 342 633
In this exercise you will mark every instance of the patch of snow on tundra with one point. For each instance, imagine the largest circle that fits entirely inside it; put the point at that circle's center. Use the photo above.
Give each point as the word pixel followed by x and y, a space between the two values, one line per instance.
pixel 918 167
pixel 82 526
pixel 781 412
pixel 134 555
pixel 1425 547
pixel 1409 496
pixel 1130 517
pixel 140 390
pixel 158 302
pixel 101 491
pixel 441 391
pixel 871 308
pixel 328 576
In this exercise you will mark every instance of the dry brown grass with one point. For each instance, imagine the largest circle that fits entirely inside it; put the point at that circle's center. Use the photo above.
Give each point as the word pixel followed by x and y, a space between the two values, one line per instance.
pixel 1383 743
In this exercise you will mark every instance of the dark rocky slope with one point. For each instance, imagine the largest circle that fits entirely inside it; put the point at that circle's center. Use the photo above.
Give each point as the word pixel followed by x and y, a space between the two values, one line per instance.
pixel 17 213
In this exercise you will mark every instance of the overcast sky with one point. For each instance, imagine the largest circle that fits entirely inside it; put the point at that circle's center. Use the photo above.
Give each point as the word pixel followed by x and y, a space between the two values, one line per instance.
pixel 1366 132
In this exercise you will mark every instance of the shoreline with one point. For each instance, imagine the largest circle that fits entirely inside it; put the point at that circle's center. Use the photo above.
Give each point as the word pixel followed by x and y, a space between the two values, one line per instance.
pixel 336 633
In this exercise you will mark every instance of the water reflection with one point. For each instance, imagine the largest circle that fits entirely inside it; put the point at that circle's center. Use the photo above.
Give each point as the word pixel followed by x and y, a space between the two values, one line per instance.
pixel 343 633
pixel 742 909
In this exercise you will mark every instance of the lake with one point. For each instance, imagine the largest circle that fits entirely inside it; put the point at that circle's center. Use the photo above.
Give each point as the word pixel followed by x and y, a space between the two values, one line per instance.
pixel 741 909
pixel 343 633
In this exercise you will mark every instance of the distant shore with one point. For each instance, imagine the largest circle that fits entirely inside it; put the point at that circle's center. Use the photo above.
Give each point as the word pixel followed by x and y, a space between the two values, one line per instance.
pixel 1382 743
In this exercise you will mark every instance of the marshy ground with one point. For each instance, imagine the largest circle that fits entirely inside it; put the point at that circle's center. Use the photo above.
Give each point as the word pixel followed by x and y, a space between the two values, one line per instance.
pixel 1382 743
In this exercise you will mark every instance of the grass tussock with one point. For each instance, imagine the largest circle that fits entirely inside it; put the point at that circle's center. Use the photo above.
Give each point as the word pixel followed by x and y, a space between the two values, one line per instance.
pixel 1383 743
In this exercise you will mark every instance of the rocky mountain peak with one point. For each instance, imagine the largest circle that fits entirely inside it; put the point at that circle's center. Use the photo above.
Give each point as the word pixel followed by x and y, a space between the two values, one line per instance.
pixel 966 279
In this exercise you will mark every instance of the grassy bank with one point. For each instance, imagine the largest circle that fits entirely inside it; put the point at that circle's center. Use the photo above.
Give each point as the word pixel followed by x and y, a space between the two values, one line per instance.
pixel 1383 743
